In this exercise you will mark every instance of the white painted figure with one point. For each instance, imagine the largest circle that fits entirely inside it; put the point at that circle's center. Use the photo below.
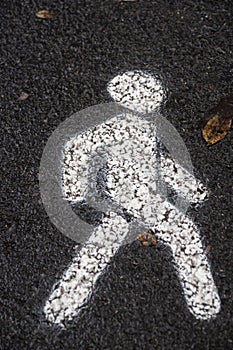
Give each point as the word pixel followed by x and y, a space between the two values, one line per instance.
pixel 129 145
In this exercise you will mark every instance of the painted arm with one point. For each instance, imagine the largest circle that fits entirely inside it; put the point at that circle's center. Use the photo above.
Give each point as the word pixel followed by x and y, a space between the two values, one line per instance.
pixel 79 166
pixel 181 180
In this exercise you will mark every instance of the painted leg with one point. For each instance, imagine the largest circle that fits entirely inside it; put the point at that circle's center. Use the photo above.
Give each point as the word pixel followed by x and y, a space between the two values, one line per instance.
pixel 76 285
pixel 192 265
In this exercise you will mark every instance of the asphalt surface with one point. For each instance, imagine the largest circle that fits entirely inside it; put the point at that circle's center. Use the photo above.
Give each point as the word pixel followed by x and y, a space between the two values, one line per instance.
pixel 64 65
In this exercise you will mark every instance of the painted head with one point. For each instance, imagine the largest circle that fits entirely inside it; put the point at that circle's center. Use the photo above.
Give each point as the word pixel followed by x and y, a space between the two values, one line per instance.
pixel 137 90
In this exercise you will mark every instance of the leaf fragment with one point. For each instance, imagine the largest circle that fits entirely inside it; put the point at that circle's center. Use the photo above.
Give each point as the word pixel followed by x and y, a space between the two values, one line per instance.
pixel 45 14
pixel 147 239
pixel 216 129
pixel 23 96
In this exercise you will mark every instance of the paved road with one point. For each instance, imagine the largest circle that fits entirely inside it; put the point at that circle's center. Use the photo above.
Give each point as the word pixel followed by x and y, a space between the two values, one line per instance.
pixel 64 65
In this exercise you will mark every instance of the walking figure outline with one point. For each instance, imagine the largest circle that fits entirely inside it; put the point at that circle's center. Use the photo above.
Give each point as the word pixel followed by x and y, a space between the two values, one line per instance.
pixel 122 164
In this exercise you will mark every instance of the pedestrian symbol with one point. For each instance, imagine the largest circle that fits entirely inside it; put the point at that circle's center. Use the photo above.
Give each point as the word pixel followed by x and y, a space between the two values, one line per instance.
pixel 124 169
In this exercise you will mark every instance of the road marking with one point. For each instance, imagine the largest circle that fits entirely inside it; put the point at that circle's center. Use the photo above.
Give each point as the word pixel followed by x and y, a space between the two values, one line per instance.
pixel 78 281
pixel 137 90
pixel 132 162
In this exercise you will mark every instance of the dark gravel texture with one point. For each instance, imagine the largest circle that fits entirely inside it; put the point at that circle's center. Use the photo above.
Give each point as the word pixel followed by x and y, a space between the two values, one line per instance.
pixel 64 65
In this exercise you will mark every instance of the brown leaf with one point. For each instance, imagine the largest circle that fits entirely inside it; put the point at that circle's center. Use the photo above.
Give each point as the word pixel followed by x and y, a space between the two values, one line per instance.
pixel 46 14
pixel 147 239
pixel 23 96
pixel 216 129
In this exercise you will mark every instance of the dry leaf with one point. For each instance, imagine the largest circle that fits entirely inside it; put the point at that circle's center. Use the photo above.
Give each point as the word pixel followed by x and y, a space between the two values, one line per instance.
pixel 147 239
pixel 216 129
pixel 23 96
pixel 45 14
pixel 218 121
